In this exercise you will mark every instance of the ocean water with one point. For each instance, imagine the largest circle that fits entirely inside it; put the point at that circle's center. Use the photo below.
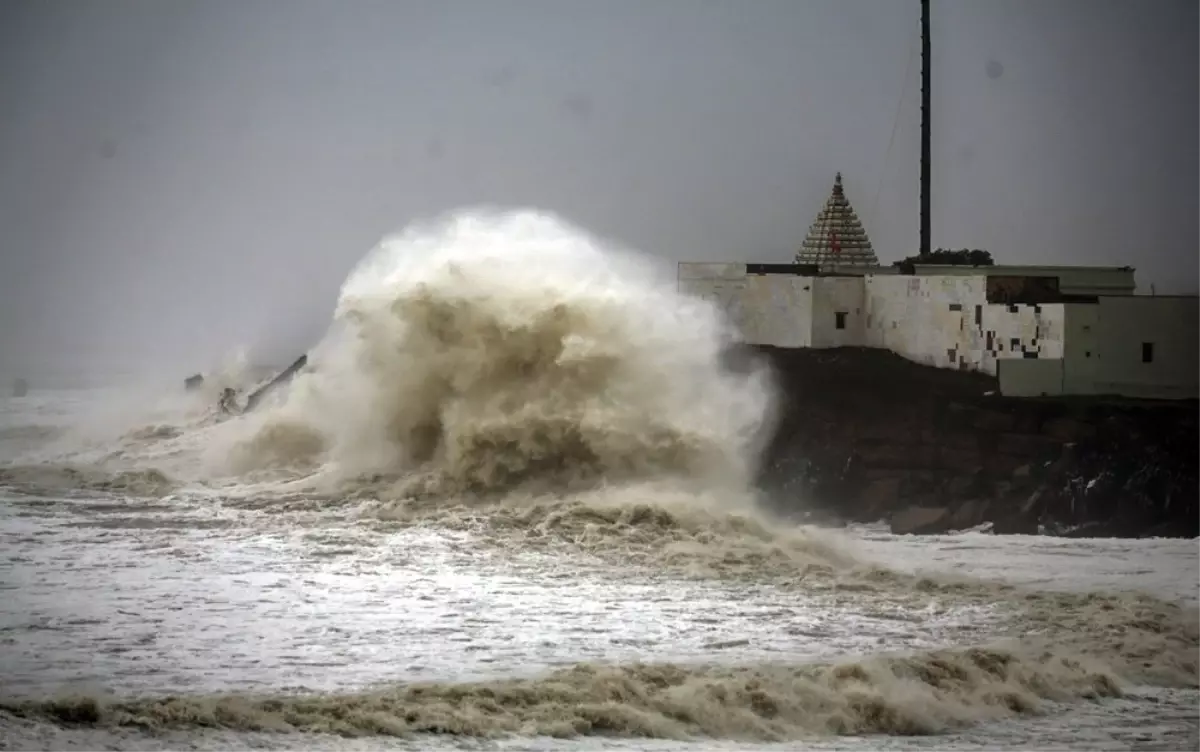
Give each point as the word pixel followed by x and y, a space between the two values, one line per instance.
pixel 510 507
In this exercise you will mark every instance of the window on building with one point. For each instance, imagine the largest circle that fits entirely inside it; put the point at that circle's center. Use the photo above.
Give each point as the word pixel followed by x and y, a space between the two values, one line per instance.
pixel 839 319
pixel 956 306
pixel 1147 352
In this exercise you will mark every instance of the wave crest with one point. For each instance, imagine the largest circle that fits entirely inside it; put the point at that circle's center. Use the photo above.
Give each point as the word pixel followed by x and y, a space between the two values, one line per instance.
pixel 510 350
pixel 920 694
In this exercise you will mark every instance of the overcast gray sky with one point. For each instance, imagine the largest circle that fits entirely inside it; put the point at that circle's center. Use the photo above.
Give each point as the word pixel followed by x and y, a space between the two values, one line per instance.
pixel 178 177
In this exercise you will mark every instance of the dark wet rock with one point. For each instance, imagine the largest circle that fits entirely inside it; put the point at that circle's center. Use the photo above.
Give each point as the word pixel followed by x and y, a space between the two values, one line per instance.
pixel 880 494
pixel 921 521
pixel 866 434
pixel 1020 518
pixel 970 513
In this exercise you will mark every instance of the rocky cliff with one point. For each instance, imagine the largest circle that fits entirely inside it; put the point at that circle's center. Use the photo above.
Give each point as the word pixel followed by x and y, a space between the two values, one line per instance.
pixel 865 435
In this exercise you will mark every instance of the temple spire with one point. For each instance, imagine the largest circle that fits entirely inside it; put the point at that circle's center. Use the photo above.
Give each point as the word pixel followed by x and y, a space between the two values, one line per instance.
pixel 837 237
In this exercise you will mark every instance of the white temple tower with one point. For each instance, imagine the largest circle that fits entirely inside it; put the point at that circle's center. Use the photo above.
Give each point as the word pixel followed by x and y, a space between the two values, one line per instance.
pixel 837 237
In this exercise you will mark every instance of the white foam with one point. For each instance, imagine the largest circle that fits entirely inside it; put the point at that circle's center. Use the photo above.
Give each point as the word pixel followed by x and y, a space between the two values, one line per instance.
pixel 488 347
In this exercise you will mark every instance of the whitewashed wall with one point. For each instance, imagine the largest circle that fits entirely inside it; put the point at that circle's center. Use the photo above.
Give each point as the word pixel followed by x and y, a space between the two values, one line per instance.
pixel 777 310
pixel 941 321
pixel 946 322
pixel 833 295
pixel 772 309
pixel 1168 324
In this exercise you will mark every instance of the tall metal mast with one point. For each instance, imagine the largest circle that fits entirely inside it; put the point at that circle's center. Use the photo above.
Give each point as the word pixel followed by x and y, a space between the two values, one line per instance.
pixel 926 114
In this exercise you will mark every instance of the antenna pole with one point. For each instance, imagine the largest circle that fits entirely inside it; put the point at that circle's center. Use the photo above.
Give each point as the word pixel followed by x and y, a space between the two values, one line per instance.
pixel 926 114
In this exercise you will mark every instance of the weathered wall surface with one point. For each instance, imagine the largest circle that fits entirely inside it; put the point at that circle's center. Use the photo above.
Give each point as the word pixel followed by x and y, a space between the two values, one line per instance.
pixel 832 296
pixel 1073 280
pixel 1081 348
pixel 768 309
pixel 1148 347
pixel 947 322
pixel 1030 378
pixel 922 319
pixel 777 308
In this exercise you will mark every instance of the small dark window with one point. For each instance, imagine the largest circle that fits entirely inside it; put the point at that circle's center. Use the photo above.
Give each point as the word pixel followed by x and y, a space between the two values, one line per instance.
pixel 1015 343
pixel 1147 352
pixel 1012 308
pixel 1087 354
pixel 840 319
pixel 956 306
pixel 978 315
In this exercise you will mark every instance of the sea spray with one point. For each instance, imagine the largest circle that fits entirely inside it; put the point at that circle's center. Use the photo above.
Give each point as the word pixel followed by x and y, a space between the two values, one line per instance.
pixel 490 351
pixel 506 373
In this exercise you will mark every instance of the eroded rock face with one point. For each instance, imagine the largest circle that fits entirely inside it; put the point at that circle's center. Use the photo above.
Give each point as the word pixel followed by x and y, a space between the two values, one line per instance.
pixel 868 435
pixel 922 520
pixel 1019 517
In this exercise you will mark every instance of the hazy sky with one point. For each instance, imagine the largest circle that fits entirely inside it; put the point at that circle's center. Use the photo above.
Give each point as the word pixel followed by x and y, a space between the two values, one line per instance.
pixel 178 177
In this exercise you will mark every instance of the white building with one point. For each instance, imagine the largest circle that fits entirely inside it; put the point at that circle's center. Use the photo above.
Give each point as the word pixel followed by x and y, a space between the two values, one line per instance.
pixel 1037 340
pixel 1042 330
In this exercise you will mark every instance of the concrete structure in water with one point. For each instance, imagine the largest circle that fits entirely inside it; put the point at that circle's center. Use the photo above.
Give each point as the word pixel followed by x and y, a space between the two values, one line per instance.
pixel 1041 330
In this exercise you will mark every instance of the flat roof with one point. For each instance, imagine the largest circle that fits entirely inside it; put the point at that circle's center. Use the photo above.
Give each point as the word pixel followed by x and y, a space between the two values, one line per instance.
pixel 1039 267
pixel 689 269
pixel 1148 296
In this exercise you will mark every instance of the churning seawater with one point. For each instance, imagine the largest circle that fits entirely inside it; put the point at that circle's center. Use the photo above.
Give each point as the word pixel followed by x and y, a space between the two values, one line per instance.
pixel 510 507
